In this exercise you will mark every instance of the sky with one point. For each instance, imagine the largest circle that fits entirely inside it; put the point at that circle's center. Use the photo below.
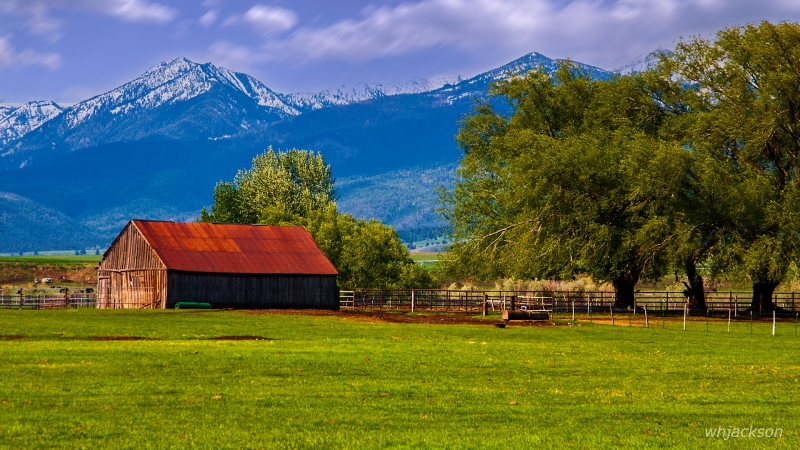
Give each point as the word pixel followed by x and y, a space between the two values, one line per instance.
pixel 71 50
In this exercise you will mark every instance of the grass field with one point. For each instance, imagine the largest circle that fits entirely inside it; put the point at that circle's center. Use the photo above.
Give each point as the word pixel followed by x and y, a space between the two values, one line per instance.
pixel 54 259
pixel 68 380
pixel 428 260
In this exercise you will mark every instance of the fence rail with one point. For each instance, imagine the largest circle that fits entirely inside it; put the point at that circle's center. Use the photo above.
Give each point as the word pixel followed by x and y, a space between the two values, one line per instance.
pixel 20 298
pixel 558 301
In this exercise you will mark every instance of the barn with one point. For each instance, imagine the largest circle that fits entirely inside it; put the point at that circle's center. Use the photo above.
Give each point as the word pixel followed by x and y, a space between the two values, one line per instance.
pixel 156 264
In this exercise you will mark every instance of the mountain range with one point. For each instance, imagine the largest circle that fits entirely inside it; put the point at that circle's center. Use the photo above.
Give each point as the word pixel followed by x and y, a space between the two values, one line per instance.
pixel 155 147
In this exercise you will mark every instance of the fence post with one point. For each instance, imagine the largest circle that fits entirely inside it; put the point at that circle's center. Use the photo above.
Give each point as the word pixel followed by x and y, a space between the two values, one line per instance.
pixel 773 322
pixel 685 310
pixel 513 303
pixel 573 310
pixel 729 320
pixel 412 300
pixel 485 301
pixel 611 308
pixel 66 298
pixel 730 300
pixel 646 322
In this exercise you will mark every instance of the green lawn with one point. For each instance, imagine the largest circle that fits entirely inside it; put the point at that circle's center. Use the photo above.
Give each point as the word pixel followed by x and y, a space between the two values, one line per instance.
pixel 340 381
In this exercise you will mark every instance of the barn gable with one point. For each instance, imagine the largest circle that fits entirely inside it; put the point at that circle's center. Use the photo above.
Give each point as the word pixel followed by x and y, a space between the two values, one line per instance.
pixel 131 274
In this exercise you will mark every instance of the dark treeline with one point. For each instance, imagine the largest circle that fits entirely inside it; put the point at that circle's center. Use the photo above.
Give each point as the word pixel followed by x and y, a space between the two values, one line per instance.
pixel 693 162
pixel 409 235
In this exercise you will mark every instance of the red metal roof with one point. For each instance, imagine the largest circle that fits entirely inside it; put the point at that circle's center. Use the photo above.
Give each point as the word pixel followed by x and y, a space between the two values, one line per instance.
pixel 232 248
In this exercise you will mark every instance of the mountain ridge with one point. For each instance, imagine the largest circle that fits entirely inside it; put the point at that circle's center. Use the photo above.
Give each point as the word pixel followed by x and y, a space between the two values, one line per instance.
pixel 154 147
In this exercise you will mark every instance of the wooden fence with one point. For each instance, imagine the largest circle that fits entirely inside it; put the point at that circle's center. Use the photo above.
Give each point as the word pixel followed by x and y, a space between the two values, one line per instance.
pixel 558 301
pixel 21 298
pixel 422 300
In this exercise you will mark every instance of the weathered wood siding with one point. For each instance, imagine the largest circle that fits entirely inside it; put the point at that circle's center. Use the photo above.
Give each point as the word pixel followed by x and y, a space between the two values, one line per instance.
pixel 131 275
pixel 253 291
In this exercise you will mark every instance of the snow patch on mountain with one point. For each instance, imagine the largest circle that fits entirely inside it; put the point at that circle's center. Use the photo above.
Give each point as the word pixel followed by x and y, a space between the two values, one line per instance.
pixel 639 64
pixel 16 122
pixel 172 82
pixel 345 95
pixel 479 84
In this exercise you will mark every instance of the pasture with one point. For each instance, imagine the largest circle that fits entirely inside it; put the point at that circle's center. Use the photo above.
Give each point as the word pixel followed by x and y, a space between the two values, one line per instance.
pixel 230 379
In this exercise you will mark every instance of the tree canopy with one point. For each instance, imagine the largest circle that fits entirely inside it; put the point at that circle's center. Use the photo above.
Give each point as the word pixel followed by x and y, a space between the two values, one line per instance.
pixel 570 179
pixel 692 162
pixel 743 93
pixel 296 188
pixel 295 182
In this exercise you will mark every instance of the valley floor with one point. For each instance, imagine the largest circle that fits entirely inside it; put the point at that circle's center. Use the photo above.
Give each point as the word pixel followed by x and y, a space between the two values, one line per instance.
pixel 234 379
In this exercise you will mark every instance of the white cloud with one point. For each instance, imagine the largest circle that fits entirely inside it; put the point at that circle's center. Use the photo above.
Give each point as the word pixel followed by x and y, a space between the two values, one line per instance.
pixel 11 57
pixel 270 19
pixel 602 32
pixel 208 18
pixel 136 10
pixel 37 14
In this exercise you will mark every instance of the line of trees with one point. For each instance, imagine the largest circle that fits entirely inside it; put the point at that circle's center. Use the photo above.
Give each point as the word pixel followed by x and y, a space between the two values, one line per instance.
pixel 692 162
pixel 296 187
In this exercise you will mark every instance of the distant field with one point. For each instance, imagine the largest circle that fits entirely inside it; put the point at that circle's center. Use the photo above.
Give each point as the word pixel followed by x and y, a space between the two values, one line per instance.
pixel 59 259
pixel 69 271
pixel 78 378
pixel 428 260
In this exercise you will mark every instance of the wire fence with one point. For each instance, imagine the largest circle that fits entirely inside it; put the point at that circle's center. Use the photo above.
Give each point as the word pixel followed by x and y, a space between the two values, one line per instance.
pixel 560 304
pixel 665 303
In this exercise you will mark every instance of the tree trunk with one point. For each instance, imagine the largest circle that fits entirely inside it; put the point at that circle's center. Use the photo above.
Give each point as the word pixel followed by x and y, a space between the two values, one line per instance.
pixel 624 291
pixel 694 289
pixel 762 297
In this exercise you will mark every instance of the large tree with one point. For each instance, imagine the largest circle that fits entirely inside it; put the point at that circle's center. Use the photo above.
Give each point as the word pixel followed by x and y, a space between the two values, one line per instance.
pixel 743 90
pixel 296 188
pixel 562 175
pixel 295 181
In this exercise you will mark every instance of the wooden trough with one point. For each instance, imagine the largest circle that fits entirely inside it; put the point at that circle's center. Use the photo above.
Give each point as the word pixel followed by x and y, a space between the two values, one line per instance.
pixel 526 315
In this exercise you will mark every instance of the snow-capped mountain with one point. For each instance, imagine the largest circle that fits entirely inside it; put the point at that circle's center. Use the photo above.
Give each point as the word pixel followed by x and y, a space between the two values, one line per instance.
pixel 479 84
pixel 16 122
pixel 640 64
pixel 177 99
pixel 345 95
pixel 155 147
pixel 166 101
pixel 171 82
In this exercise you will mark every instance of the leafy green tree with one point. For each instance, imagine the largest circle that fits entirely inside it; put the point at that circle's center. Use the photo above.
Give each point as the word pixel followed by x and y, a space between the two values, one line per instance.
pixel 295 181
pixel 743 91
pixel 296 188
pixel 571 178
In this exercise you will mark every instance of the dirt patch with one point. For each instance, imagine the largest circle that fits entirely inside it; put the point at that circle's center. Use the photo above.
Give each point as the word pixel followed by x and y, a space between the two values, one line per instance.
pixel 119 338
pixel 12 336
pixel 404 317
pixel 240 338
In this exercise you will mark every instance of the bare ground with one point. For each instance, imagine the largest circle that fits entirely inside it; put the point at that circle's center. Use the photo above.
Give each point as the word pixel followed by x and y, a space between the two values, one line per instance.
pixel 404 317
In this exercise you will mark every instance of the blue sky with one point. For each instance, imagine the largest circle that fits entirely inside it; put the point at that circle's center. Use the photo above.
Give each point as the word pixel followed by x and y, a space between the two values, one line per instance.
pixel 70 50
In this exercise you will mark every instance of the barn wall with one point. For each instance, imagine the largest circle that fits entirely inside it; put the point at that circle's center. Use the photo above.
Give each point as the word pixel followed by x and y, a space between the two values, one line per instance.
pixel 131 275
pixel 253 291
